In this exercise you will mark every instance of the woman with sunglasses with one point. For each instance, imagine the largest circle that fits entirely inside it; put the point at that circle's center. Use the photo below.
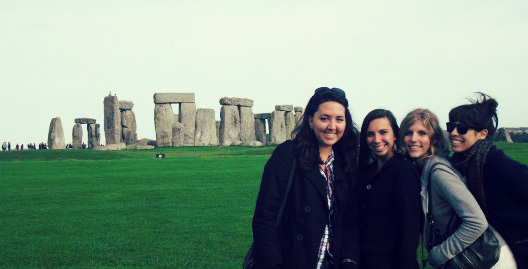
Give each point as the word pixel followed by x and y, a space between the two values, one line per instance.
pixel 443 191
pixel 499 183
pixel 389 196
pixel 319 226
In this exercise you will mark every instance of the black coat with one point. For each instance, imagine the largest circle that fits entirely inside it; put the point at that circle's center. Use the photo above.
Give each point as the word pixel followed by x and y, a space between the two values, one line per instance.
pixel 506 189
pixel 295 243
pixel 390 215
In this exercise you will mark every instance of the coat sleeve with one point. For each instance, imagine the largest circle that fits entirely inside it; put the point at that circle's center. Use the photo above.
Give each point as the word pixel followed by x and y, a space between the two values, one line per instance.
pixel 450 188
pixel 265 234
pixel 407 200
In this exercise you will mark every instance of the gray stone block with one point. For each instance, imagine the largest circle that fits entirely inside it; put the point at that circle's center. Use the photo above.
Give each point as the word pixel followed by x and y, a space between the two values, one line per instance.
pixel 284 107
pixel 290 124
pixel 229 125
pixel 247 124
pixel 260 130
pixel 234 101
pixel 277 127
pixel 126 105
pixel 188 119
pixel 163 121
pixel 170 98
pixel 84 120
pixel 263 116
pixel 56 134
pixel 92 135
pixel 205 133
pixel 77 135
pixel 298 109
pixel 112 120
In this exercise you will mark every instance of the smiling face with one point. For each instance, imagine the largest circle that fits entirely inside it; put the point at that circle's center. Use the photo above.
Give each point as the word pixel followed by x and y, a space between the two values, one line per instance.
pixel 463 142
pixel 328 124
pixel 380 138
pixel 417 140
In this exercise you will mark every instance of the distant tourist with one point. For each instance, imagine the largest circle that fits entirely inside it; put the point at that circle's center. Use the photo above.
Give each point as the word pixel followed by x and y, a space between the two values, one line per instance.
pixel 21 146
pixel 498 183
pixel 4 146
pixel 17 147
pixel 320 222
pixel 9 146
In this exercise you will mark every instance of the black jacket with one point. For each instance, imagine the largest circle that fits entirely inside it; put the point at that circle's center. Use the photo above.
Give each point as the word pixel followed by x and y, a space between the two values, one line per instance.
pixel 506 193
pixel 296 242
pixel 390 215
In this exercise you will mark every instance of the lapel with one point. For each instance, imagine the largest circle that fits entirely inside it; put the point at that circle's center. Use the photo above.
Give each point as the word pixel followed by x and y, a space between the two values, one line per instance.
pixel 317 180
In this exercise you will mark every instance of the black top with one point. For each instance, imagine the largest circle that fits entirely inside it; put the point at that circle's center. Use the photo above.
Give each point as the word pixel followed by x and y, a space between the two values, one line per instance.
pixel 390 215
pixel 506 192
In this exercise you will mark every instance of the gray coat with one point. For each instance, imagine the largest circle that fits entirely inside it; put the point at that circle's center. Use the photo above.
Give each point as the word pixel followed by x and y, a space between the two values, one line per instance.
pixel 449 195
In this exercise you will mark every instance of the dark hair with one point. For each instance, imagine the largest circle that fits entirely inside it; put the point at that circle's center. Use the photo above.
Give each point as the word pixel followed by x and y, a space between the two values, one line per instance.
pixel 439 144
pixel 365 156
pixel 306 143
pixel 480 114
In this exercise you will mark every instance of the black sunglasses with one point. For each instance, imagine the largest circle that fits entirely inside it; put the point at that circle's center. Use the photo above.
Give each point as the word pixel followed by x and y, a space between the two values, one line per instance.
pixel 326 89
pixel 461 127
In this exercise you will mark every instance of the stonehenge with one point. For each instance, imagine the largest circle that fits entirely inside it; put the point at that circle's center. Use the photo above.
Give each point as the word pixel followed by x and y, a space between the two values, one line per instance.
pixel 92 129
pixel 187 126
pixel 164 118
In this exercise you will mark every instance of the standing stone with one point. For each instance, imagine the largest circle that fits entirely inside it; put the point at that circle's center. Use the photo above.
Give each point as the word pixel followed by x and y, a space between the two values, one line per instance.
pixel 188 119
pixel 98 133
pixel 112 120
pixel 229 125
pixel 290 124
pixel 56 135
pixel 205 133
pixel 77 135
pixel 163 121
pixel 247 124
pixel 218 131
pixel 177 134
pixel 260 130
pixel 92 136
pixel 298 114
pixel 128 124
pixel 277 127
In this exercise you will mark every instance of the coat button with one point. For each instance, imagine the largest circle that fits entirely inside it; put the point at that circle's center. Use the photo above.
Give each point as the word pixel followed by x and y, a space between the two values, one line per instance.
pixel 369 187
pixel 307 209
pixel 300 237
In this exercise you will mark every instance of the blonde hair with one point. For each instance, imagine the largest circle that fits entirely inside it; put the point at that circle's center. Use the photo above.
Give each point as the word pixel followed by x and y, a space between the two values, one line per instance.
pixel 430 121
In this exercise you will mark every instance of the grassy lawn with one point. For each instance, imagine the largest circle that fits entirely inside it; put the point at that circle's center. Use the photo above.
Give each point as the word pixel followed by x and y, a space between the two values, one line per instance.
pixel 82 208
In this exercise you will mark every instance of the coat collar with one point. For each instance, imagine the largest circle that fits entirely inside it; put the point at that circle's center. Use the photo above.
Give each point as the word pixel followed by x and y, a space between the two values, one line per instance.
pixel 317 180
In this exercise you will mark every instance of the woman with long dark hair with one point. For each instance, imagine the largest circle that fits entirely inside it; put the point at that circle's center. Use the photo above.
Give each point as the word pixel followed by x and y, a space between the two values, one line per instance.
pixel 319 226
pixel 389 196
pixel 499 183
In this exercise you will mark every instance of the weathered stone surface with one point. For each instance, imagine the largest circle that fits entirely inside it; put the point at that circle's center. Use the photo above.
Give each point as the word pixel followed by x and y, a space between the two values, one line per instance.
pixel 284 107
pixel 277 127
pixel 77 135
pixel 178 134
pixel 56 134
pixel 92 136
pixel 247 124
pixel 169 98
pixel 163 121
pixel 218 131
pixel 253 144
pixel 84 120
pixel 98 134
pixel 112 120
pixel 129 127
pixel 229 125
pixel 290 124
pixel 234 101
pixel 298 117
pixel 119 146
pixel 126 105
pixel 298 109
pixel 188 119
pixel 205 133
pixel 263 116
pixel 260 130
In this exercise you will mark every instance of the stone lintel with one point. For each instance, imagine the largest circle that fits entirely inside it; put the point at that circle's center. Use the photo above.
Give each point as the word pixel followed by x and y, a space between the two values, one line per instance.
pixel 288 108
pixel 234 101
pixel 170 98
pixel 84 120
pixel 263 116
pixel 126 105
pixel 298 109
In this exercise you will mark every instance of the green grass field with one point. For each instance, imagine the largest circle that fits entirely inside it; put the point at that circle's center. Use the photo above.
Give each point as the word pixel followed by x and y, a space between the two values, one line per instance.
pixel 82 208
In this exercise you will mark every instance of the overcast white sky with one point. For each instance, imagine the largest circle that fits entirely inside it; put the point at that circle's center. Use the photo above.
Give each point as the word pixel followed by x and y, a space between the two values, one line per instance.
pixel 61 58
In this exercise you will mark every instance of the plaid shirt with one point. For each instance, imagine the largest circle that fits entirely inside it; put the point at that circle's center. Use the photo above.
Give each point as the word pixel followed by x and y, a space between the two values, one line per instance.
pixel 328 174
